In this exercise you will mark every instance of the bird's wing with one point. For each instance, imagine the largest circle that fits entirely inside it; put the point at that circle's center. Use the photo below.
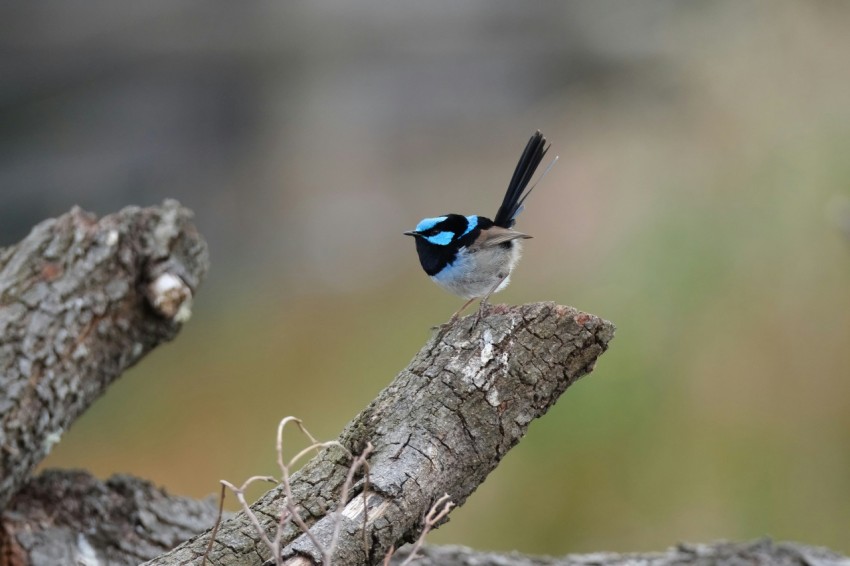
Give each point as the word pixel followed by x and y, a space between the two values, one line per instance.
pixel 496 235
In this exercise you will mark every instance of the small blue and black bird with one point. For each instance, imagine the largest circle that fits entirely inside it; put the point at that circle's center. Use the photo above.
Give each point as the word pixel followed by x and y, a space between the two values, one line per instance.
pixel 473 256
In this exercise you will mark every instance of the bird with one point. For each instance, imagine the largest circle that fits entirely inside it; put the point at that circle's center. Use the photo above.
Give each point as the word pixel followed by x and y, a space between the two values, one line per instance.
pixel 473 256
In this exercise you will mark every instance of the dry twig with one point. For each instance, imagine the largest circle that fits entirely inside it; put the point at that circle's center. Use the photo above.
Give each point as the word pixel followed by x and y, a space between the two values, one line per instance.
pixel 436 513
pixel 288 511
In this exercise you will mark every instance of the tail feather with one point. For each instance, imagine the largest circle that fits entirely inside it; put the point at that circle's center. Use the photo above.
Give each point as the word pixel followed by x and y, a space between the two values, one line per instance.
pixel 528 163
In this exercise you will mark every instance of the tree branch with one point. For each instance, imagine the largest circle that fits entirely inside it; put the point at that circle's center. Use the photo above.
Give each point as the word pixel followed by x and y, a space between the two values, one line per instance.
pixel 70 517
pixel 763 551
pixel 81 300
pixel 440 427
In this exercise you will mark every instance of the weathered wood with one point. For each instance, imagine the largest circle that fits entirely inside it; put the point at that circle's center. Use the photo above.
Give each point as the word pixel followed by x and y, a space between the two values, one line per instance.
pixel 440 427
pixel 753 553
pixel 69 517
pixel 81 300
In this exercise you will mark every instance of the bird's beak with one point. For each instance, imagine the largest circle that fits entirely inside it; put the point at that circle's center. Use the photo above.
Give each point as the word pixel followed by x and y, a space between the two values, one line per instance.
pixel 411 233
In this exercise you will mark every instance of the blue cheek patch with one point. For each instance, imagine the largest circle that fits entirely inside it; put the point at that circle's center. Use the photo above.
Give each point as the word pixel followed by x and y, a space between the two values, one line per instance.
pixel 429 223
pixel 441 239
pixel 471 223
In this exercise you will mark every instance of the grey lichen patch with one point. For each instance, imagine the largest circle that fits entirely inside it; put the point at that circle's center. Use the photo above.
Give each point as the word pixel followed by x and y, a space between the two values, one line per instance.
pixel 493 397
pixel 9 315
pixel 117 289
pixel 80 352
pixel 52 439
pixel 479 362
pixel 33 296
pixel 112 238
pixel 167 228
pixel 99 250
pixel 487 346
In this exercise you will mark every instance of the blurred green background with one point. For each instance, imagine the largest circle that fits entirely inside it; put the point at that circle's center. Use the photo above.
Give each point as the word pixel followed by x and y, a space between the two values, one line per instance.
pixel 702 203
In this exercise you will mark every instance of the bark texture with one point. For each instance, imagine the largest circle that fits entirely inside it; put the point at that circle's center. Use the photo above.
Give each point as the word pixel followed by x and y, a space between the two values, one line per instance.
pixel 81 300
pixel 69 517
pixel 758 552
pixel 440 427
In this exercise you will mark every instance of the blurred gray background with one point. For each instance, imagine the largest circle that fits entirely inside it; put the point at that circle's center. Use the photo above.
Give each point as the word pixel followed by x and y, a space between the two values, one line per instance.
pixel 701 202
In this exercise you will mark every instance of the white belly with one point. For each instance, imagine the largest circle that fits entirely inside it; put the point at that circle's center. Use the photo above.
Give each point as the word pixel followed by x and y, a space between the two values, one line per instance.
pixel 474 274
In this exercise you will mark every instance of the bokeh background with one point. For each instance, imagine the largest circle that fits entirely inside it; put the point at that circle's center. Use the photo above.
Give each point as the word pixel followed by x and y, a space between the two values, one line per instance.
pixel 701 202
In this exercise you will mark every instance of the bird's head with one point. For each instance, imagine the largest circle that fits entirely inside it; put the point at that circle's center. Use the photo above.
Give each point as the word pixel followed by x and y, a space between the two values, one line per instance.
pixel 438 239
pixel 445 230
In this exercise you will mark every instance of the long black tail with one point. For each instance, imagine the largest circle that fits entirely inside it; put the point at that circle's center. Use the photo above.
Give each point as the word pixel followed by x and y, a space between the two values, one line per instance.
pixel 528 163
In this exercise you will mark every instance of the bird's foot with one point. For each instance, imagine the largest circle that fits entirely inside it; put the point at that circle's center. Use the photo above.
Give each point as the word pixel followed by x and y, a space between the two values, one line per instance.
pixel 448 323
pixel 483 308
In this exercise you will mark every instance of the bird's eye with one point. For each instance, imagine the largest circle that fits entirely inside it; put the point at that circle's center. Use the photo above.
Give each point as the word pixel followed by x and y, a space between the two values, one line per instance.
pixel 441 238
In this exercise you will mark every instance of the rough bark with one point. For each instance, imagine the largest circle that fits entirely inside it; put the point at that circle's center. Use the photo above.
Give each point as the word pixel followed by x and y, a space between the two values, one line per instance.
pixel 69 517
pixel 440 427
pixel 752 553
pixel 81 300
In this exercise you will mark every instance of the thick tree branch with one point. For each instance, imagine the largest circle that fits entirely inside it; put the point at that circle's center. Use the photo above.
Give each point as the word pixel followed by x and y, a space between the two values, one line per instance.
pixel 69 517
pixel 440 427
pixel 758 552
pixel 81 300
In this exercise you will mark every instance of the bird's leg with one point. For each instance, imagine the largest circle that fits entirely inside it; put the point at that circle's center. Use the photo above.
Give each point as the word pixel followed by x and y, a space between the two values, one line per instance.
pixel 483 304
pixel 456 315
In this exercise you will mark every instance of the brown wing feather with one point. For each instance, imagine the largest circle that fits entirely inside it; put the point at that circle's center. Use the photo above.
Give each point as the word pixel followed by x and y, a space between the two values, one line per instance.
pixel 496 235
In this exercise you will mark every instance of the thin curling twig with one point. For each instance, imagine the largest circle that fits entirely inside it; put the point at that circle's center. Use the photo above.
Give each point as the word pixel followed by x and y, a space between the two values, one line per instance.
pixel 240 496
pixel 435 514
pixel 288 511
pixel 359 461
pixel 216 525
pixel 288 504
